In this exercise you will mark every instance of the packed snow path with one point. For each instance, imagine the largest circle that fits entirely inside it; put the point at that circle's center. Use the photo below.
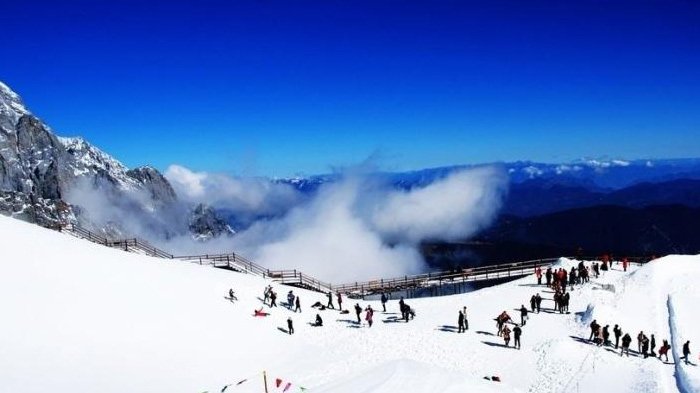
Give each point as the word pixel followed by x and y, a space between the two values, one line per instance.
pixel 79 317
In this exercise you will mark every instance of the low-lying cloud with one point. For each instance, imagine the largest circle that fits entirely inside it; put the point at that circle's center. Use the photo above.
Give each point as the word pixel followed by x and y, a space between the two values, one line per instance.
pixel 359 227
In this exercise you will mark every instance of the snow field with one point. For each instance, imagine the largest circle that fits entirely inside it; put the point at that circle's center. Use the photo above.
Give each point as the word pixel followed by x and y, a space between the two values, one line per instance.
pixel 79 317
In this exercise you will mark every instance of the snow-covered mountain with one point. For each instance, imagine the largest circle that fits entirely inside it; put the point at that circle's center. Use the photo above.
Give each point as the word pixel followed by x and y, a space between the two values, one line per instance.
pixel 92 320
pixel 53 180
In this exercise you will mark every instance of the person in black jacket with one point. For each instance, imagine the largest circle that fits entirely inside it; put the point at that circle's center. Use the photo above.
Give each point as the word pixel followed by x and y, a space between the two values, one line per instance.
pixel 460 322
pixel 686 351
pixel 330 300
pixel 594 328
pixel 290 325
pixel 523 315
pixel 516 334
pixel 626 341
pixel 358 311
pixel 617 331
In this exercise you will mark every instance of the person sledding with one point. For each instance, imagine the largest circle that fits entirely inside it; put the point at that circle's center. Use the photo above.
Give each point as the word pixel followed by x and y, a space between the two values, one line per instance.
pixel 260 313
pixel 319 321
pixel 232 295
pixel 686 352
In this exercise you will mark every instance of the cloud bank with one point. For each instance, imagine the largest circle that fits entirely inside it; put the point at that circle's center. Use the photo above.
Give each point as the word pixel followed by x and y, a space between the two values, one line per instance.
pixel 357 228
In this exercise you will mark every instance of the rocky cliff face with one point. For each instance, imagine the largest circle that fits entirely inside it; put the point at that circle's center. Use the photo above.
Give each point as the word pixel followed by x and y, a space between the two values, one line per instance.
pixel 207 224
pixel 53 180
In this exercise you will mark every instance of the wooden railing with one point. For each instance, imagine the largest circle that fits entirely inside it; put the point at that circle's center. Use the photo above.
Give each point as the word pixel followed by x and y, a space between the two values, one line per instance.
pixel 517 269
pixel 294 277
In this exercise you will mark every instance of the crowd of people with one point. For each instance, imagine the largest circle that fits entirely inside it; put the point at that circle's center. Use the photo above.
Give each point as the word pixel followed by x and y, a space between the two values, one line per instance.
pixel 559 280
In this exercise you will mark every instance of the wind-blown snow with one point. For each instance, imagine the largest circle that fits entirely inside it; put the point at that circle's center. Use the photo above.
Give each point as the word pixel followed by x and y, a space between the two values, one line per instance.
pixel 79 317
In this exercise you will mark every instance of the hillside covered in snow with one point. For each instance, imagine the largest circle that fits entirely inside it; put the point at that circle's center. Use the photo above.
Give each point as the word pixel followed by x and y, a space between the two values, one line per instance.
pixel 79 317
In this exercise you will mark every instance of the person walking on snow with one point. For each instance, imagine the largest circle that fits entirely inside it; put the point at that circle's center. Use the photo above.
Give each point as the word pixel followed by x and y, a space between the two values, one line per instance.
pixel 460 323
pixel 624 264
pixel 533 303
pixel 298 305
pixel 548 275
pixel 523 315
pixel 290 300
pixel 501 321
pixel 640 338
pixel 594 328
pixel 645 346
pixel 273 299
pixel 538 301
pixel 369 315
pixel 330 301
pixel 516 335
pixel 506 335
pixel 290 326
pixel 384 300
pixel 606 335
pixel 340 301
pixel 538 273
pixel 686 351
pixel 466 321
pixel 358 311
pixel 617 331
pixel 626 341
pixel 652 346
pixel 266 295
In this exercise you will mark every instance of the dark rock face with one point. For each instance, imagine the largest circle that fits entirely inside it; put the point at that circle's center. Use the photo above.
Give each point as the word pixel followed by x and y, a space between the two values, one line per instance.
pixel 52 180
pixel 45 212
pixel 155 183
pixel 206 224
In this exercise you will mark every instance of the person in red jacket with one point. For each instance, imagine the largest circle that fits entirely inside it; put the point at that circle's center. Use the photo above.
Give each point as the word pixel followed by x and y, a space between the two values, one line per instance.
pixel 624 264
pixel 538 273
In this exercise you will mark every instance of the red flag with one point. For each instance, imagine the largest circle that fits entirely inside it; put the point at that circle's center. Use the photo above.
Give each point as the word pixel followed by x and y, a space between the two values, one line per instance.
pixel 278 382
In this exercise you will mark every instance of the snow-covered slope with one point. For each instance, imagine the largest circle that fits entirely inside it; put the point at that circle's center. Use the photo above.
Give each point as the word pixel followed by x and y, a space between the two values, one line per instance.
pixel 78 317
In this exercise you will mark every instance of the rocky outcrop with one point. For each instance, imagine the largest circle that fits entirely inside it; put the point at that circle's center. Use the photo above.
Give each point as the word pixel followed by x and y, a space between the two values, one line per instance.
pixel 52 180
pixel 206 224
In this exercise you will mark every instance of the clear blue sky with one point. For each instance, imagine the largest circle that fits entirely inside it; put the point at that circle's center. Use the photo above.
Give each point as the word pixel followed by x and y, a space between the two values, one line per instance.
pixel 286 87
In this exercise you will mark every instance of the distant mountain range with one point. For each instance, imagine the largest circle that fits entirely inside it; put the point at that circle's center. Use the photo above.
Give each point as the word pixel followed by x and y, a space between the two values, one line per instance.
pixel 635 207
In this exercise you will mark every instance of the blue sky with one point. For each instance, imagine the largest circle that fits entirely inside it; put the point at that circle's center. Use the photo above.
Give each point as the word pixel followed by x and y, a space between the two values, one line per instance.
pixel 280 88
